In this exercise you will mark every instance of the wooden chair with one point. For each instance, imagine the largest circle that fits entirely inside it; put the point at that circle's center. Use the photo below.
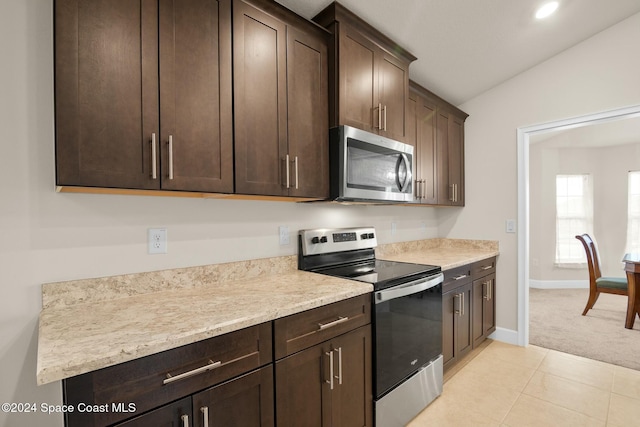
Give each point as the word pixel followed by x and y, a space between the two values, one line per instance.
pixel 597 283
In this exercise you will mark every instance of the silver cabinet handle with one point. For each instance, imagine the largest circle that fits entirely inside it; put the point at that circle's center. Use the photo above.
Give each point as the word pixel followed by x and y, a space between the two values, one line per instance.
pixel 385 118
pixel 486 267
pixel 205 416
pixel 379 116
pixel 458 310
pixel 462 304
pixel 330 380
pixel 296 163
pixel 286 162
pixel 185 420
pixel 485 287
pixel 424 189
pixel 333 323
pixel 211 365
pixel 418 189
pixel 460 277
pixel 339 377
pixel 170 156
pixel 490 289
pixel 154 168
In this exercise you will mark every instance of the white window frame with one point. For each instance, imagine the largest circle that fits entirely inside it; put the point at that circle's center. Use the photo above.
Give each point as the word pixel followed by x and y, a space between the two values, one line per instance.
pixel 574 216
pixel 633 212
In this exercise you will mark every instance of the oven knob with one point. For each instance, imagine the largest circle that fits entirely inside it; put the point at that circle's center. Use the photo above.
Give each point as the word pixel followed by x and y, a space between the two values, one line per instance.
pixel 364 236
pixel 323 239
pixel 315 240
pixel 371 235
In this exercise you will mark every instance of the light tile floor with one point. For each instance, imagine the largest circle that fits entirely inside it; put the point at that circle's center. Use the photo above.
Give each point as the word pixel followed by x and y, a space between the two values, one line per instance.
pixel 511 386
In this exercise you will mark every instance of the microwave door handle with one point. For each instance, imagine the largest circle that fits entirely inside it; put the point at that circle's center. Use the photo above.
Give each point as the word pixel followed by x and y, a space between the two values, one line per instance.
pixel 408 288
pixel 402 186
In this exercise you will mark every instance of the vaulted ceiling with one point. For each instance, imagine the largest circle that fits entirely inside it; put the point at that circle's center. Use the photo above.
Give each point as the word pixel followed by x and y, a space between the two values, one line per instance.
pixel 466 47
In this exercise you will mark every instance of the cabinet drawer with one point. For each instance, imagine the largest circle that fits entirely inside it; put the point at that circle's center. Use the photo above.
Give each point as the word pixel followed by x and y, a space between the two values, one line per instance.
pixel 302 330
pixel 456 277
pixel 484 267
pixel 154 380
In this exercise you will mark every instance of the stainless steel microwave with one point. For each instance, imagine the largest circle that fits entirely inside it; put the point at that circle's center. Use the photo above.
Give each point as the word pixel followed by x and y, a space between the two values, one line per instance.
pixel 368 167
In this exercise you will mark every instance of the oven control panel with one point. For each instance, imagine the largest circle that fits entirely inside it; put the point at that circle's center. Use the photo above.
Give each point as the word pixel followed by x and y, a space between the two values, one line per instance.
pixel 327 240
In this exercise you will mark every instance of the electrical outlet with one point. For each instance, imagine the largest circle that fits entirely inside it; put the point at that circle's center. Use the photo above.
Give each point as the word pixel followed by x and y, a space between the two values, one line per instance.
pixel 157 240
pixel 284 235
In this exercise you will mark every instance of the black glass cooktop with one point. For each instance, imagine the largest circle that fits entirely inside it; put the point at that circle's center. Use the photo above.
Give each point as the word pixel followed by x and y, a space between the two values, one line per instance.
pixel 380 273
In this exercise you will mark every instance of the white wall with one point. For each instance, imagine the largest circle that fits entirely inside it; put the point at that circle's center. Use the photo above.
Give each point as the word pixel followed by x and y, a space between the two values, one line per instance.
pixel 608 167
pixel 48 237
pixel 597 75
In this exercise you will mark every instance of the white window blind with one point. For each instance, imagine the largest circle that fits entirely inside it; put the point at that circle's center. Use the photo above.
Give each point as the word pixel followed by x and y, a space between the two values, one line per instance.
pixel 633 221
pixel 574 216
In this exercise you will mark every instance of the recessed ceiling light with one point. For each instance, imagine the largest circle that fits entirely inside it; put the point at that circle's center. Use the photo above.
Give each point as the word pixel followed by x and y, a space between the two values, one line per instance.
pixel 546 9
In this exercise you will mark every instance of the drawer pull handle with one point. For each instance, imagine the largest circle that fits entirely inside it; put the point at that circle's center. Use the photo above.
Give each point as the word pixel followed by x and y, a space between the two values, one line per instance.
pixel 185 420
pixel 460 277
pixel 334 323
pixel 486 267
pixel 211 365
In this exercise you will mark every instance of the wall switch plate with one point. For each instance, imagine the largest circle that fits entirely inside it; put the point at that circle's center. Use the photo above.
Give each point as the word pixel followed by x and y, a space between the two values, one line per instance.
pixel 510 226
pixel 157 240
pixel 284 235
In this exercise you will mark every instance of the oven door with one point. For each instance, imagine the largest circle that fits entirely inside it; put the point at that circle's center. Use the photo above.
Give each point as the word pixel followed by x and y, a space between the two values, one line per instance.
pixel 408 330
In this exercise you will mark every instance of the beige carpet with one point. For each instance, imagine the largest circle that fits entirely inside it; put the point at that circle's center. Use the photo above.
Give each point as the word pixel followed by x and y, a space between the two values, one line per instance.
pixel 556 322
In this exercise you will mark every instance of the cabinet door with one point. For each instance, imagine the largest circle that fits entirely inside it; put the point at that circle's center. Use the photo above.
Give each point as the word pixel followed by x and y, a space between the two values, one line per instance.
pixel 393 92
pixel 351 398
pixel 303 393
pixel 246 401
pixel 308 114
pixel 445 191
pixel 456 159
pixel 464 336
pixel 176 414
pixel 195 95
pixel 484 319
pixel 426 117
pixel 449 314
pixel 457 337
pixel 358 92
pixel 260 101
pixel 106 92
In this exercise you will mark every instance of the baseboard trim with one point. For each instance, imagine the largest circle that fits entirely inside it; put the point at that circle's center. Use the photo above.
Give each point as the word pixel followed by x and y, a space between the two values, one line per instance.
pixel 558 284
pixel 508 336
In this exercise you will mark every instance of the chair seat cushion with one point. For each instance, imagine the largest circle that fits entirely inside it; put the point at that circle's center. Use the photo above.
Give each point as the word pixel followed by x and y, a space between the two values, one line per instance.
pixel 612 282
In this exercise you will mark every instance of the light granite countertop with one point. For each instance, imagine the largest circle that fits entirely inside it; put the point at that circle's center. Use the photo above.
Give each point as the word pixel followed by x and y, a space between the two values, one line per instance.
pixel 447 253
pixel 109 325
pixel 90 324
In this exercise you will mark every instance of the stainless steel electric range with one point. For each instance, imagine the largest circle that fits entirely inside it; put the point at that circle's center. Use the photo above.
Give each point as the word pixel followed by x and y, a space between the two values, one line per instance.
pixel 406 317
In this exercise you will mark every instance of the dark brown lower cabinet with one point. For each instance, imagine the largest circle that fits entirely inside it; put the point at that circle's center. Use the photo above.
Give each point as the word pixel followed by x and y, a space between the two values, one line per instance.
pixel 484 308
pixel 243 401
pixel 456 323
pixel 328 384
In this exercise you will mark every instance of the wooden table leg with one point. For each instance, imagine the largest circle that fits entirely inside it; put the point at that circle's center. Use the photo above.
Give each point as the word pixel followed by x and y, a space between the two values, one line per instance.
pixel 633 303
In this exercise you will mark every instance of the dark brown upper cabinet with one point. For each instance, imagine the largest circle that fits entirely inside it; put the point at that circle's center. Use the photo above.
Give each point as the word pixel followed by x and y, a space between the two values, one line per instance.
pixel 369 79
pixel 436 129
pixel 280 101
pixel 143 94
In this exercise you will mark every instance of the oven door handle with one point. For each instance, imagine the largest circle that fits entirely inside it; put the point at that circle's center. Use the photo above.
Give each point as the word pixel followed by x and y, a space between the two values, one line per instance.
pixel 405 289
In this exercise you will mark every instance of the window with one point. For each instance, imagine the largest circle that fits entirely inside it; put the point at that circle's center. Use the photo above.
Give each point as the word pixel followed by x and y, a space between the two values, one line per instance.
pixel 633 217
pixel 574 215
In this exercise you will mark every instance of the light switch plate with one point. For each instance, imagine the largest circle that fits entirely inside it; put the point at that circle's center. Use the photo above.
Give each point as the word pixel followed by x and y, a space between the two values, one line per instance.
pixel 510 226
